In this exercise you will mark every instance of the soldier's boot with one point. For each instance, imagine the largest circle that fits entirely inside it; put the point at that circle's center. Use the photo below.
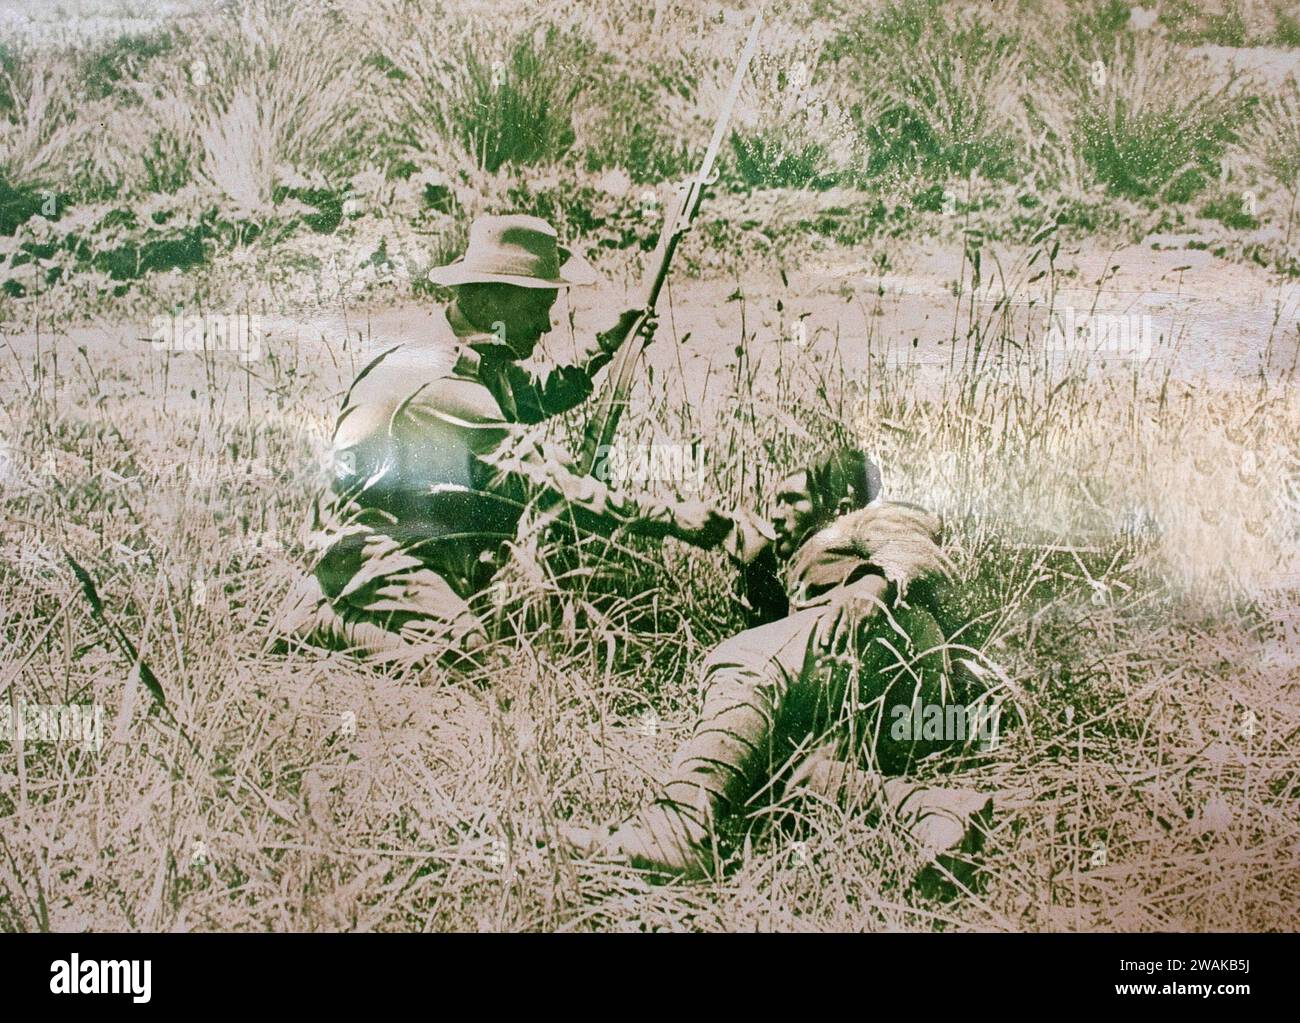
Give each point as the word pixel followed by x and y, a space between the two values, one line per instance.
pixel 946 826
pixel 662 838
pixel 673 835
pixel 729 755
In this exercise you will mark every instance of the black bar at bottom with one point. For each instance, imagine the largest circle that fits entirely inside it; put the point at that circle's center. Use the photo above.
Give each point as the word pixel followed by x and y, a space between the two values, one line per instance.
pixel 593 974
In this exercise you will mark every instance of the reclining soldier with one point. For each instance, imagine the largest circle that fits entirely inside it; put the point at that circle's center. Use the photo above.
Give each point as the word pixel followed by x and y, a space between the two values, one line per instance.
pixel 805 698
pixel 434 464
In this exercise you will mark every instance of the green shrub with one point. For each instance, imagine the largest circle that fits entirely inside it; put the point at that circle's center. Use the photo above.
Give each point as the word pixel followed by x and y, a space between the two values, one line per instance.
pixel 1164 152
pixel 768 159
pixel 1286 28
pixel 627 128
pixel 517 111
pixel 8 65
pixel 1231 210
pixel 1190 22
pixel 1273 138
pixel 121 58
pixel 941 89
pixel 1130 112
pixel 18 204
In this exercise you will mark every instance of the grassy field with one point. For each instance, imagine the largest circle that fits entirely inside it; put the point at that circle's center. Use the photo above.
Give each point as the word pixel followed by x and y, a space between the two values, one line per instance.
pixel 287 154
pixel 1126 539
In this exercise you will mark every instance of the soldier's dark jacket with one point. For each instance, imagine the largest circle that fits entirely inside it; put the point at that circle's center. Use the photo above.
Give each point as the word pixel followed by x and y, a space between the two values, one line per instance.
pixel 433 467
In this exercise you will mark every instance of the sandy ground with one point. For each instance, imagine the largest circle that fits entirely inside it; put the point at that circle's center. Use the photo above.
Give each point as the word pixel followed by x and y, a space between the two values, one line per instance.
pixel 1266 64
pixel 1211 321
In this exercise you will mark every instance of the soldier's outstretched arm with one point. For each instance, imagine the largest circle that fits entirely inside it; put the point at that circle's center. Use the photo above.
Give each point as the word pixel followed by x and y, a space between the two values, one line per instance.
pixel 545 466
pixel 538 396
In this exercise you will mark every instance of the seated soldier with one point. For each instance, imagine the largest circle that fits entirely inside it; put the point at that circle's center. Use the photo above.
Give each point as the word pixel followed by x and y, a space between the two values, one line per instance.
pixel 435 464
pixel 808 695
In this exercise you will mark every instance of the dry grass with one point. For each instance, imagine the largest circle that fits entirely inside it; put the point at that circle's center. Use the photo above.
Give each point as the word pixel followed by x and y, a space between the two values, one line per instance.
pixel 1126 542
pixel 1120 538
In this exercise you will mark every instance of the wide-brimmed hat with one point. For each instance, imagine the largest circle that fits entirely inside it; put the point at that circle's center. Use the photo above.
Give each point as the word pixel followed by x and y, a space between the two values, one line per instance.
pixel 518 250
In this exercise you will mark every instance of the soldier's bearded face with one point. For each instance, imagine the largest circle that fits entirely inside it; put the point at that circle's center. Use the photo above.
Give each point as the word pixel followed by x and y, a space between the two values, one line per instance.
pixel 794 514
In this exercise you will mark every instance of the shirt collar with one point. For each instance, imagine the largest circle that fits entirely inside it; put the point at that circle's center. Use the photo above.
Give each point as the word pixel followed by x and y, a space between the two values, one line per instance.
pixel 475 348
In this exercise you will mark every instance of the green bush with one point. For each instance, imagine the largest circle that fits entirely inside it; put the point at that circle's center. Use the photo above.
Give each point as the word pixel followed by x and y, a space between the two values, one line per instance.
pixel 1286 28
pixel 120 59
pixel 628 129
pixel 8 65
pixel 1231 210
pixel 940 90
pixel 18 204
pixel 1190 22
pixel 769 159
pixel 518 111
pixel 1169 153
pixel 1130 111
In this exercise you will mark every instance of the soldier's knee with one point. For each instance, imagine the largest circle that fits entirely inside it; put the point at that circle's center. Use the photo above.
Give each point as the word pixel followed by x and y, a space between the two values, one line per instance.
pixel 730 686
pixel 754 652
pixel 474 641
pixel 726 655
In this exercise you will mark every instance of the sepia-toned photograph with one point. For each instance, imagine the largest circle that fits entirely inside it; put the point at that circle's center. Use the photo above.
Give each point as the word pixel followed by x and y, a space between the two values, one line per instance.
pixel 648 466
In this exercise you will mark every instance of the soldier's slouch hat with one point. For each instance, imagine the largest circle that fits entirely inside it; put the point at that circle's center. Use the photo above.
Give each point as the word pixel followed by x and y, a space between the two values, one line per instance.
pixel 516 249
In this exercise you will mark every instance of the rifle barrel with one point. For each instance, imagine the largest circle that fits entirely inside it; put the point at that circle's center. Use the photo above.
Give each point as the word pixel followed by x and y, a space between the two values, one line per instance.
pixel 618 387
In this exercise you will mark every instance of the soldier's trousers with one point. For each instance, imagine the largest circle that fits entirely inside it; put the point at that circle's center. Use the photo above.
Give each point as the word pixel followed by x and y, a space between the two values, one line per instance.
pixel 779 708
pixel 411 618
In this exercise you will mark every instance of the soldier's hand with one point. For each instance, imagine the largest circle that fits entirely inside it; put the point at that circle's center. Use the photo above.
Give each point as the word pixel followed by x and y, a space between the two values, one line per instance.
pixel 701 524
pixel 748 538
pixel 649 327
pixel 847 611
pixel 613 338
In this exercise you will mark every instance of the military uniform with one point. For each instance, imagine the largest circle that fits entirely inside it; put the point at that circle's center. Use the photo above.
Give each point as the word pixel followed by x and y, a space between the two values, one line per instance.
pixel 433 468
pixel 778 701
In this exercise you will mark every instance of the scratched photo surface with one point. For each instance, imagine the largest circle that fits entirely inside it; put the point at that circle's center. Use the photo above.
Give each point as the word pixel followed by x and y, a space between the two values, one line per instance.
pixel 650 465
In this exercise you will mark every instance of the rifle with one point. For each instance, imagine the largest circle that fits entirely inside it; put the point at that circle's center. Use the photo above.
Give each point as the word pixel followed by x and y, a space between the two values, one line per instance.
pixel 618 387
pixel 614 398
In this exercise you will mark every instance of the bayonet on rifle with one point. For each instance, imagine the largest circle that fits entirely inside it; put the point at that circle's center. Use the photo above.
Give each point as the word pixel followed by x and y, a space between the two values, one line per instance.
pixel 614 398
